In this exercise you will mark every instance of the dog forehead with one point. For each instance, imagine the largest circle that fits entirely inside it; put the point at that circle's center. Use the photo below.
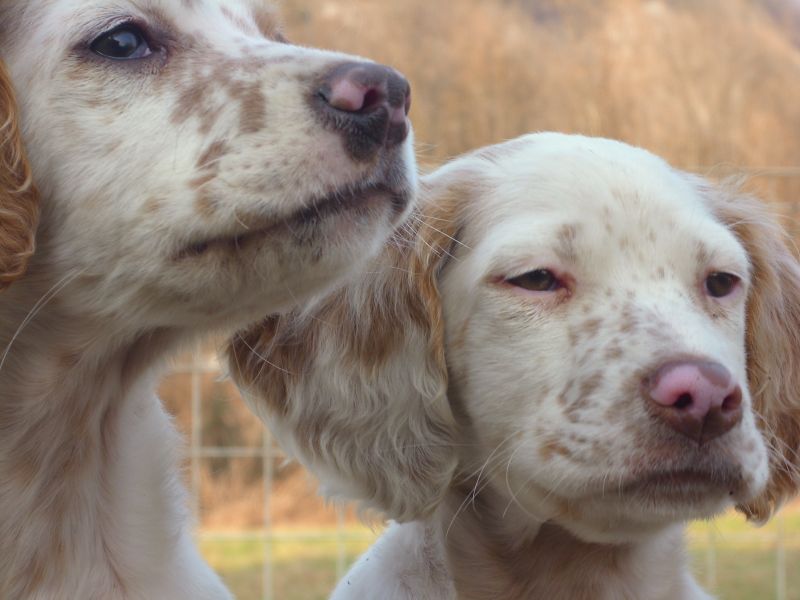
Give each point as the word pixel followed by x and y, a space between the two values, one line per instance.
pixel 588 199
pixel 564 173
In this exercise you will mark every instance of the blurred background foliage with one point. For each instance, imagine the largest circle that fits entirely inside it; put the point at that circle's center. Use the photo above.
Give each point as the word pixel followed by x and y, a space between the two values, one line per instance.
pixel 699 82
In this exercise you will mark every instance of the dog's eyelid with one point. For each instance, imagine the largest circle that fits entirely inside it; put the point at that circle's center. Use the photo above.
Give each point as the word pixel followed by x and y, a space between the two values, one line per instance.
pixel 92 31
pixel 127 41
pixel 155 33
pixel 515 262
pixel 540 280
pixel 520 269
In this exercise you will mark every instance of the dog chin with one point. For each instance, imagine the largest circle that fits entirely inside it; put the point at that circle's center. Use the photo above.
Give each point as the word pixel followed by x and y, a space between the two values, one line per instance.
pixel 620 532
pixel 629 519
pixel 271 266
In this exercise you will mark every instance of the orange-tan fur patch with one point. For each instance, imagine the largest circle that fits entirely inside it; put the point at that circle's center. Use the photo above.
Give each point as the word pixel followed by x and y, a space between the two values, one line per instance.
pixel 19 205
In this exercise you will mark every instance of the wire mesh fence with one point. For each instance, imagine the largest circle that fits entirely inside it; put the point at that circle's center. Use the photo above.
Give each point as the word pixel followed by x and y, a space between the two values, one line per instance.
pixel 273 540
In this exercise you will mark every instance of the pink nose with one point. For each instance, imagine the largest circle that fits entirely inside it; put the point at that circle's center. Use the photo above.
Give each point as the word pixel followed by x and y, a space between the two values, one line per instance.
pixel 366 89
pixel 368 104
pixel 698 399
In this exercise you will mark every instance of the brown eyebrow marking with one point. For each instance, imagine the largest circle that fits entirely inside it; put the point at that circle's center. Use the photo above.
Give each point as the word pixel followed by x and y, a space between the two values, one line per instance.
pixel 189 98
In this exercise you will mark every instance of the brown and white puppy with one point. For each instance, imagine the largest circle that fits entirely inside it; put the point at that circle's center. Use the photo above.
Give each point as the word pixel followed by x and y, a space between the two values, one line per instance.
pixel 195 172
pixel 578 347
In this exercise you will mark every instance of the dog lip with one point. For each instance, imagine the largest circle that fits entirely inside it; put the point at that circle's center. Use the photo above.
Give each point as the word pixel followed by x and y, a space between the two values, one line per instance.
pixel 333 204
pixel 676 481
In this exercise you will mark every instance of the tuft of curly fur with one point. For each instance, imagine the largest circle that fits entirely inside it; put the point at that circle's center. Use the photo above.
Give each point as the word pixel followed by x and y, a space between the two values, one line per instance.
pixel 360 406
pixel 19 207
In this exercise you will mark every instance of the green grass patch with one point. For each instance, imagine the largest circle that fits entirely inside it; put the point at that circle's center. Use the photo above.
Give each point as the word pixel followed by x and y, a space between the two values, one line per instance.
pixel 745 562
pixel 305 565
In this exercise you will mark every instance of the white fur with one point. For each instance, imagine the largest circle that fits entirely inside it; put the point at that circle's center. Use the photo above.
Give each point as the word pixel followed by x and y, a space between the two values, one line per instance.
pixel 91 500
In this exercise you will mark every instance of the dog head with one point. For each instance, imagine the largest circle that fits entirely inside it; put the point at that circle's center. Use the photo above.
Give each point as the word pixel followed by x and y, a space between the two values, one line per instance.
pixel 194 166
pixel 621 343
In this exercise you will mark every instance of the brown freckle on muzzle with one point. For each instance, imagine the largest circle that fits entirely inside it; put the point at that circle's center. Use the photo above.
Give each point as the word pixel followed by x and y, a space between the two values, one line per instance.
pixel 253 114
pixel 590 327
pixel 199 182
pixel 188 101
pixel 590 385
pixel 205 204
pixel 553 447
pixel 212 154
pixel 628 319
pixel 152 205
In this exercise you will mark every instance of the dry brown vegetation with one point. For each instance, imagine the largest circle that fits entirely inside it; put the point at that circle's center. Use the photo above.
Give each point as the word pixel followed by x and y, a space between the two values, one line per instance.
pixel 701 82
pixel 698 81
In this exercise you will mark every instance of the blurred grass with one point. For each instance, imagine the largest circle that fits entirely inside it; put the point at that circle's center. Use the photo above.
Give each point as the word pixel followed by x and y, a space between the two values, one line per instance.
pixel 746 557
pixel 305 561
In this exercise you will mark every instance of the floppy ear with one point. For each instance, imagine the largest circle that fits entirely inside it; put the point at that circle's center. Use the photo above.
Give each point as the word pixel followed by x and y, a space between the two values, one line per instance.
pixel 773 343
pixel 19 208
pixel 356 386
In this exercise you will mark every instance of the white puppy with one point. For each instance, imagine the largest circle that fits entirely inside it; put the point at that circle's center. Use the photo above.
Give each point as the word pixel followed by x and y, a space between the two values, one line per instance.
pixel 578 347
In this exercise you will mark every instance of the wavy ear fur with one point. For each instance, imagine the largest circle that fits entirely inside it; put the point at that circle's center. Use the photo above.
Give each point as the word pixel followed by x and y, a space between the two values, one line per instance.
pixel 773 342
pixel 19 208
pixel 356 386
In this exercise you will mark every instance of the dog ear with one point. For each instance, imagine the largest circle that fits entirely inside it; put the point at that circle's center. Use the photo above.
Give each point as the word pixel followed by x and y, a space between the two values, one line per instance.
pixel 19 208
pixel 355 387
pixel 773 342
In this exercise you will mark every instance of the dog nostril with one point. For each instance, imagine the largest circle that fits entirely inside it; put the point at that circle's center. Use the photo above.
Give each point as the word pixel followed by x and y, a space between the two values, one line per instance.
pixel 732 402
pixel 684 401
pixel 372 99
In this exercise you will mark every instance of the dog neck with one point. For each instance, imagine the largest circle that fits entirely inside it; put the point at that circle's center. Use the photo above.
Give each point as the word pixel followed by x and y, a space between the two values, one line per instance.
pixel 89 485
pixel 495 550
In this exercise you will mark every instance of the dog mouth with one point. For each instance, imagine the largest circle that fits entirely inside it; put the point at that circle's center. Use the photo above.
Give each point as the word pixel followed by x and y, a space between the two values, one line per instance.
pixel 686 485
pixel 306 218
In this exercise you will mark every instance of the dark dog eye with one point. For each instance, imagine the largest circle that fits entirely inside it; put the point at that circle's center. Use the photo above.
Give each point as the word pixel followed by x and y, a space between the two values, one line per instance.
pixel 540 280
pixel 126 42
pixel 719 285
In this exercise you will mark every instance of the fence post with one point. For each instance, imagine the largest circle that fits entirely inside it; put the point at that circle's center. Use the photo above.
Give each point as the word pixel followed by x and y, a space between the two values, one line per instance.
pixel 196 433
pixel 267 471
pixel 780 559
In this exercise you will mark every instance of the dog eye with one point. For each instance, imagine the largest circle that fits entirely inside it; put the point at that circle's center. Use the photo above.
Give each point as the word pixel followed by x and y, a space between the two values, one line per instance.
pixel 126 42
pixel 719 285
pixel 540 280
